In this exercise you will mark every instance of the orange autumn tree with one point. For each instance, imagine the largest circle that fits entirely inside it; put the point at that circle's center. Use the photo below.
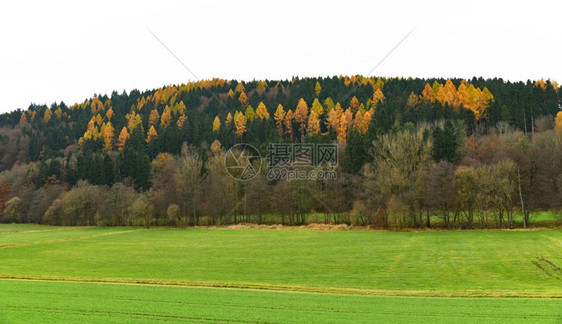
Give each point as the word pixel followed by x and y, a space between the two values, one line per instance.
pixel 558 124
pixel 279 117
pixel 122 140
pixel 228 120
pixel 378 96
pixel 426 93
pixel 181 120
pixel 23 119
pixel 466 95
pixel 109 113
pixel 354 104
pixel 96 106
pixel 243 99
pixel 460 96
pixel 365 122
pixel 151 135
pixel 301 115
pixel 342 129
pixel 154 117
pixel 449 92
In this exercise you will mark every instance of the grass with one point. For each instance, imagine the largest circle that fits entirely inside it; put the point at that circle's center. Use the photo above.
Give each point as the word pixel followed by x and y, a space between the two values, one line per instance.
pixel 319 275
pixel 64 302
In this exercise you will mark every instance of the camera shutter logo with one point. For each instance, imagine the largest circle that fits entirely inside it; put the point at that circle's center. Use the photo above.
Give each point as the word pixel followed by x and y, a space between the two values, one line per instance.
pixel 243 161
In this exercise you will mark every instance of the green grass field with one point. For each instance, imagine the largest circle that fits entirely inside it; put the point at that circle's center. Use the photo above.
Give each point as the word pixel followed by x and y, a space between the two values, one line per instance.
pixel 66 274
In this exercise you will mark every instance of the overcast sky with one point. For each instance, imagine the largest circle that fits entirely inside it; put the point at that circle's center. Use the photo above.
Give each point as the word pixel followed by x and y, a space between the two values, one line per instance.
pixel 67 51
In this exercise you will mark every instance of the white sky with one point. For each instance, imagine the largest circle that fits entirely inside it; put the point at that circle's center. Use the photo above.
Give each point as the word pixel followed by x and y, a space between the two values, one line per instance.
pixel 53 51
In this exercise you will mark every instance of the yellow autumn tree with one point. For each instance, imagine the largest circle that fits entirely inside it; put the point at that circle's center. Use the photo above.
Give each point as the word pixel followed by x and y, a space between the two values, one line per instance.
pixel 413 100
pixel 471 100
pixel 99 120
pixel 239 87
pixel 231 93
pixel 449 92
pixel 486 99
pixel 289 117
pixel 262 112
pixel 240 123
pixel 122 140
pixel 58 113
pixel 317 88
pixel 250 114
pixel 261 87
pixel 379 84
pixel 133 120
pixel 216 124
pixel 301 115
pixel 151 135
pixel 317 107
pixel 107 132
pixel 279 117
pixel 313 127
pixel 166 118
pixel 181 107
pixel 434 91
pixel 47 115
pixel 328 104
pixel 349 117
pixel 342 129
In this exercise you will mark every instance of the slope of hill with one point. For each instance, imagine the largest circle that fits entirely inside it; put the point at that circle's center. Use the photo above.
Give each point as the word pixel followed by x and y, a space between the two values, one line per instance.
pixel 108 140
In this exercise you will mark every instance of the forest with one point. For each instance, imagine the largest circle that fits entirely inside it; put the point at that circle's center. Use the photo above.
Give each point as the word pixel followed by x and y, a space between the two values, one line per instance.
pixel 413 153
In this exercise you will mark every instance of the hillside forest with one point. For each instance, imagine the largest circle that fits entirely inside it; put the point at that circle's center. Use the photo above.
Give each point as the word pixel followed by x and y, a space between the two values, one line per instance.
pixel 413 153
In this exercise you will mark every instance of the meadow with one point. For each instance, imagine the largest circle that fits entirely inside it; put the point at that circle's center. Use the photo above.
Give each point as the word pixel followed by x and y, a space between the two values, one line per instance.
pixel 125 274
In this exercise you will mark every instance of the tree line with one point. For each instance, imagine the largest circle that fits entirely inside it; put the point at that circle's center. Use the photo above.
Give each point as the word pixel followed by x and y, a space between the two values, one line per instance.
pixel 414 153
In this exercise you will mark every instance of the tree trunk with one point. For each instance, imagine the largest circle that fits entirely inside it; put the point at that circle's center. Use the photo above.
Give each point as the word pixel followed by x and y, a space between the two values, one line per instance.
pixel 521 198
